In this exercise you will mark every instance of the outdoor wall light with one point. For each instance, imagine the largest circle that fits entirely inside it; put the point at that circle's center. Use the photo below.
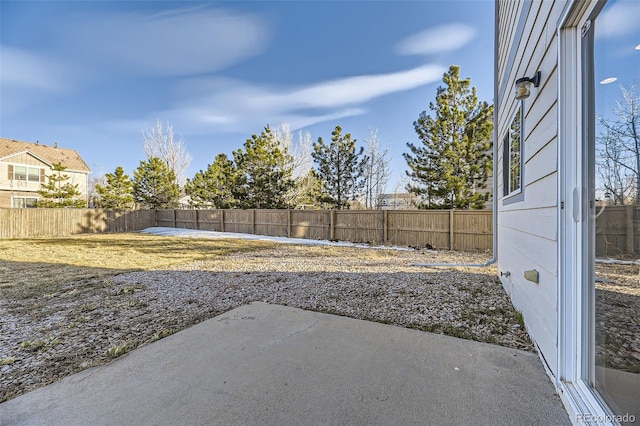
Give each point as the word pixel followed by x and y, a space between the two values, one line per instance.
pixel 522 86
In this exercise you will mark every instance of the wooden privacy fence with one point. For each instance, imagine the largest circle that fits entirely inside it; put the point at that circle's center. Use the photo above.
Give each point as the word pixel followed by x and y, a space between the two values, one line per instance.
pixel 443 229
pixel 617 227
pixel 617 230
pixel 26 223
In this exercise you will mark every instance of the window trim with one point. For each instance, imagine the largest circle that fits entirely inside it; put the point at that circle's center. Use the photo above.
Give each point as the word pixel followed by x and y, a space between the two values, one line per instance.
pixel 516 195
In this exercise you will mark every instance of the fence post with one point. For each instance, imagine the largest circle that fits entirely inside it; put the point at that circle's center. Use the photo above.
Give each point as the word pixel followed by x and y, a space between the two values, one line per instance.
pixel 288 223
pixel 222 220
pixel 385 226
pixel 174 218
pixel 629 228
pixel 332 224
pixel 451 231
pixel 197 219
pixel 253 221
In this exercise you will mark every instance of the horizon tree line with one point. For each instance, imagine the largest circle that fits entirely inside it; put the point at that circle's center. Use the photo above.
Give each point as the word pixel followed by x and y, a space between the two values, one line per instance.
pixel 447 168
pixel 268 171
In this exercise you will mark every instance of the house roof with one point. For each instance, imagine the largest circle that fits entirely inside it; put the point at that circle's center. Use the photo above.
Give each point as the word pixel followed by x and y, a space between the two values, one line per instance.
pixel 51 154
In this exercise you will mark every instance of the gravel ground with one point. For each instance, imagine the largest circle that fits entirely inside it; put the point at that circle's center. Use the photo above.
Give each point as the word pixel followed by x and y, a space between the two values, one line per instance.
pixel 90 322
pixel 618 316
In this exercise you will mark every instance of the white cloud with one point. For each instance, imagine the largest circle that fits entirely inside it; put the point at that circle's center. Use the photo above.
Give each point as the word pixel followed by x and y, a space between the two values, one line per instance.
pixel 352 90
pixel 442 38
pixel 231 105
pixel 172 43
pixel 87 47
pixel 620 20
pixel 26 70
pixel 297 121
pixel 27 77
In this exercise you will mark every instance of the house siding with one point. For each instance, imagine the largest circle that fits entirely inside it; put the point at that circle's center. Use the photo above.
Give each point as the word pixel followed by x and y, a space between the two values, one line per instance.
pixel 25 159
pixel 13 188
pixel 528 227
pixel 20 160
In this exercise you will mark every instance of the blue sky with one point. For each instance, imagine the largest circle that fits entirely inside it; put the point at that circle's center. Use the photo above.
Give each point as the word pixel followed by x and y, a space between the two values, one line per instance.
pixel 617 53
pixel 93 76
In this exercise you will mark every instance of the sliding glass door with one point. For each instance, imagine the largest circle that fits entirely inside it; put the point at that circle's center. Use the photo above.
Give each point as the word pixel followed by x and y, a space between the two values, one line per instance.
pixel 599 151
pixel 612 130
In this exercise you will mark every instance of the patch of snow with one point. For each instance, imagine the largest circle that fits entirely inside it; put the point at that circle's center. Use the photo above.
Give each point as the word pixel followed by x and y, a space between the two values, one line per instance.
pixel 618 262
pixel 193 233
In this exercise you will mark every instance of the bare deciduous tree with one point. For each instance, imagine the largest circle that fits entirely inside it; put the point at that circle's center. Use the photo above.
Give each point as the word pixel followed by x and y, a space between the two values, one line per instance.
pixel 619 150
pixel 299 158
pixel 92 192
pixel 161 143
pixel 616 183
pixel 300 152
pixel 376 170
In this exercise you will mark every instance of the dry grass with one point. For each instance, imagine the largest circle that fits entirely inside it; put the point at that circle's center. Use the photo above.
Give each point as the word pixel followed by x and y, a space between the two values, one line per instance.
pixel 79 314
pixel 29 267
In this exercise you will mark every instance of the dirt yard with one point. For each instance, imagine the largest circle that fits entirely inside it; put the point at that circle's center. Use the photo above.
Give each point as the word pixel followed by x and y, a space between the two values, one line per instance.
pixel 618 316
pixel 71 303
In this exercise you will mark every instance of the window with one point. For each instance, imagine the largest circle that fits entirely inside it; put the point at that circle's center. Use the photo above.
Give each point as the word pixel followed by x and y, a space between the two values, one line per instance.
pixel 33 174
pixel 24 202
pixel 24 173
pixel 512 157
pixel 19 173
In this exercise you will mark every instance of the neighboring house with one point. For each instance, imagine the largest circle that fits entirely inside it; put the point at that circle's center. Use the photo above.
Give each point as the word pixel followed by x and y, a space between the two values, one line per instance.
pixel 24 167
pixel 185 202
pixel 546 193
pixel 397 201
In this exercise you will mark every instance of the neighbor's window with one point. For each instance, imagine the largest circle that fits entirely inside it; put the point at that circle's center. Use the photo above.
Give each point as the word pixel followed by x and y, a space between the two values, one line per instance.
pixel 513 156
pixel 19 173
pixel 24 202
pixel 32 174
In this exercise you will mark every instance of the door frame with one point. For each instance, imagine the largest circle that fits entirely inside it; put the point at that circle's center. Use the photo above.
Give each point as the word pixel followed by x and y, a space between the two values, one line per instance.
pixel 576 301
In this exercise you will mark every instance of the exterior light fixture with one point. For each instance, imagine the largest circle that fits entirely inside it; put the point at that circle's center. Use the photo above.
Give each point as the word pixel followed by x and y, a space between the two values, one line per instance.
pixel 522 86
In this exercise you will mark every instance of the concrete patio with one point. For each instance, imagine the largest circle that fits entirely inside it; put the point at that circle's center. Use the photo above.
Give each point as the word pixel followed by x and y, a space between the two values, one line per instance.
pixel 275 365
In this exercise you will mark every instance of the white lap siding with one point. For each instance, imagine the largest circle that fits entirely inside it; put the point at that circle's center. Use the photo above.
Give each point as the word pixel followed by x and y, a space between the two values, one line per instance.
pixel 527 224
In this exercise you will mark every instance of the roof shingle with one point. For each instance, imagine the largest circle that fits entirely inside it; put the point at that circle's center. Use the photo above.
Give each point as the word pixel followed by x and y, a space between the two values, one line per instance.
pixel 67 157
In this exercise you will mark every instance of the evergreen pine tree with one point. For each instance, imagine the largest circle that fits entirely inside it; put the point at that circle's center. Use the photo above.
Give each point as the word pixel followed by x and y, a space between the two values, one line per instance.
pixel 215 186
pixel 263 179
pixel 118 192
pixel 154 185
pixel 309 191
pixel 340 168
pixel 57 192
pixel 452 160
